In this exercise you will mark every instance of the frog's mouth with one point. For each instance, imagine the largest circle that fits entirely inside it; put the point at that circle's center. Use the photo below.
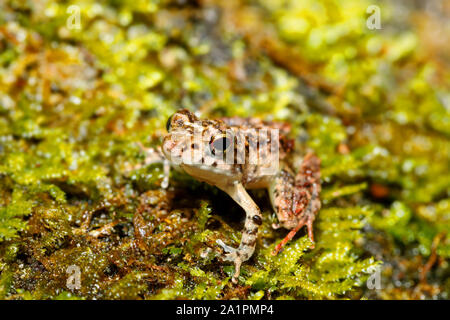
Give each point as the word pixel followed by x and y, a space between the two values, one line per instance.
pixel 193 161
pixel 210 175
pixel 167 146
pixel 178 151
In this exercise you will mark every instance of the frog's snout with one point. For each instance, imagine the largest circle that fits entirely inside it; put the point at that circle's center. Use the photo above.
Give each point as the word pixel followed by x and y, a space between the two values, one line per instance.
pixel 168 145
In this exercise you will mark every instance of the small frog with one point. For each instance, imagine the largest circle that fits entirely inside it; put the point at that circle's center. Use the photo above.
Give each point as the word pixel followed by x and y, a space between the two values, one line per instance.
pixel 235 154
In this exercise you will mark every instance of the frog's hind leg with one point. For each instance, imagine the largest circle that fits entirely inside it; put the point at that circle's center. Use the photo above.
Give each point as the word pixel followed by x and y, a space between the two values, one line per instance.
pixel 253 220
pixel 289 237
pixel 307 218
pixel 296 199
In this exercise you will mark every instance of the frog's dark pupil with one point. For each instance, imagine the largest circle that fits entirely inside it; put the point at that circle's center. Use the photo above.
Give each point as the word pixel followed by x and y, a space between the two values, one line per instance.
pixel 221 144
pixel 169 122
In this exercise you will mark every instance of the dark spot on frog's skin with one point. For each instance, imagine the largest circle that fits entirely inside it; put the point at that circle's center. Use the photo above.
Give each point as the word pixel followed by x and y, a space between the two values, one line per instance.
pixel 214 164
pixel 257 220
pixel 249 243
pixel 194 146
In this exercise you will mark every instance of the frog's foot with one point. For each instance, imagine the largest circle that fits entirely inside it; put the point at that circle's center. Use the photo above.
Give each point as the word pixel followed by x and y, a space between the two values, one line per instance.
pixel 308 221
pixel 304 199
pixel 307 218
pixel 233 255
pixel 253 220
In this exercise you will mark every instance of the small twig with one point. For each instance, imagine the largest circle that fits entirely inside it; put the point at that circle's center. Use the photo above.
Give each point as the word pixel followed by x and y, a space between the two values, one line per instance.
pixel 427 267
pixel 104 230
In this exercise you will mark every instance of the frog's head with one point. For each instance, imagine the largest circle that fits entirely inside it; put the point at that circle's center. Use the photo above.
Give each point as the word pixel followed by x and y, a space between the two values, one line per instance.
pixel 200 147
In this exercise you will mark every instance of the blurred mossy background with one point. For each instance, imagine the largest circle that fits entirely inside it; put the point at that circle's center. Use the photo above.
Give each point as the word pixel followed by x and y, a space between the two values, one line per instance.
pixel 75 103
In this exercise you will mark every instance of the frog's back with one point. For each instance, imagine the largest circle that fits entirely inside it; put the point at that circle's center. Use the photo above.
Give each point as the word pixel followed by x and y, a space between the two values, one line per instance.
pixel 260 146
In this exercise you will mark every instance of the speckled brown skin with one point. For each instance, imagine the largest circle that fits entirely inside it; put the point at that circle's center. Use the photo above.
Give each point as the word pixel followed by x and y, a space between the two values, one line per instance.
pixel 191 145
pixel 296 199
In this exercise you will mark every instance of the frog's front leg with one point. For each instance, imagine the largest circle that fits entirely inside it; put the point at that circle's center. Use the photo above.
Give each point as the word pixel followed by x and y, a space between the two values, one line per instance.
pixel 253 220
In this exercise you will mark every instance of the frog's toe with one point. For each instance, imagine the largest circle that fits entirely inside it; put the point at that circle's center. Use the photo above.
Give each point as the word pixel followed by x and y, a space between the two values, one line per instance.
pixel 276 226
pixel 232 255
pixel 231 252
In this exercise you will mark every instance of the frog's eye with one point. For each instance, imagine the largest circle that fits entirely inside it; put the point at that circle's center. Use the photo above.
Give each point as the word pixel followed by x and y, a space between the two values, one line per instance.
pixel 169 123
pixel 220 143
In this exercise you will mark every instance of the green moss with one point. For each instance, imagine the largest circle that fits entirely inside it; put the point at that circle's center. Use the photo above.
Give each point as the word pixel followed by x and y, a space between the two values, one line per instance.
pixel 10 216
